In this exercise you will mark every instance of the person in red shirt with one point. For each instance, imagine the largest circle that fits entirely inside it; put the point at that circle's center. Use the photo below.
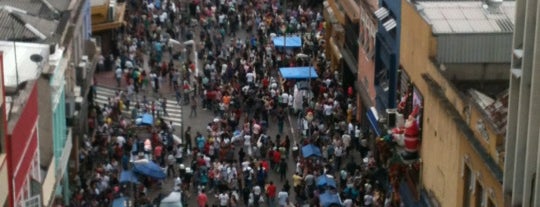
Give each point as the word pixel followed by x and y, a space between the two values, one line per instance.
pixel 264 164
pixel 265 82
pixel 271 193
pixel 158 154
pixel 202 199
pixel 276 157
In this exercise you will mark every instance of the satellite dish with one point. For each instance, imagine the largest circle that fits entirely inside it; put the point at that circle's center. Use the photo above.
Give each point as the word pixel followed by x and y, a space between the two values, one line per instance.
pixel 37 58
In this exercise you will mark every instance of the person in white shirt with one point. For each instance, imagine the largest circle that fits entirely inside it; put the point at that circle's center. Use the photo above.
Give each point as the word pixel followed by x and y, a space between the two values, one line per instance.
pixel 118 75
pixel 250 77
pixel 284 99
pixel 223 199
pixel 346 140
pixel 283 196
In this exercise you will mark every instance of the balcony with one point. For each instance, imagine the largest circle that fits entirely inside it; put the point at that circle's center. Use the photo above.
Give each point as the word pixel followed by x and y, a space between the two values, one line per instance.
pixel 107 15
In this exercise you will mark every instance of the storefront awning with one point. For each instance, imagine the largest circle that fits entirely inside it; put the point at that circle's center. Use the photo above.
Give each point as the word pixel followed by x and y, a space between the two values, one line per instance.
pixel 373 119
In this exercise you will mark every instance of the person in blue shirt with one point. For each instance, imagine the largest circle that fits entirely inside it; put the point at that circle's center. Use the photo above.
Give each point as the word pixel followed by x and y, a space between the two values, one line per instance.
pixel 201 141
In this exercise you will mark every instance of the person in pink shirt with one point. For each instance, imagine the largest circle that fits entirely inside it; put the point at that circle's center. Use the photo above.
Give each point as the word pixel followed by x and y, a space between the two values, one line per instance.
pixel 202 199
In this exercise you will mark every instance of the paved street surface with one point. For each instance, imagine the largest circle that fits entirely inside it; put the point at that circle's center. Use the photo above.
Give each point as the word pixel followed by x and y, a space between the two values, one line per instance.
pixel 177 114
pixel 198 124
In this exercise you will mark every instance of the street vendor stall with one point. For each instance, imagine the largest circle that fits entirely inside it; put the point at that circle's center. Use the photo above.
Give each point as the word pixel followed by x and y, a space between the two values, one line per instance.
pixel 326 181
pixel 287 41
pixel 148 168
pixel 311 150
pixel 298 73
pixel 329 199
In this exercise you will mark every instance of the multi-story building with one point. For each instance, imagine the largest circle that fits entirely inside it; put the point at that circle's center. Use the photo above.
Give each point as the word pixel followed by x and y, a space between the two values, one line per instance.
pixel 64 28
pixel 22 66
pixel 107 17
pixel 521 170
pixel 350 47
pixel 454 59
pixel 3 148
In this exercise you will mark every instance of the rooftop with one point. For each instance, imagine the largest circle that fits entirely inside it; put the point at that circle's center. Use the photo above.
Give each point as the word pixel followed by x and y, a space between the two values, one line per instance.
pixel 492 98
pixel 465 17
pixel 18 67
pixel 18 25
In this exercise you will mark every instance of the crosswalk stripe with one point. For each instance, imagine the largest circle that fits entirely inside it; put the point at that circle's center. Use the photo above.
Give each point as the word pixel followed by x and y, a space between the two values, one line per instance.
pixel 174 111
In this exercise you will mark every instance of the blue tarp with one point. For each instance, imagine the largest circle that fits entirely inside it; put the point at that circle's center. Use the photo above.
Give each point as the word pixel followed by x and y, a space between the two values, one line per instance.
pixel 150 169
pixel 329 199
pixel 127 176
pixel 324 180
pixel 298 73
pixel 120 202
pixel 292 41
pixel 147 119
pixel 311 150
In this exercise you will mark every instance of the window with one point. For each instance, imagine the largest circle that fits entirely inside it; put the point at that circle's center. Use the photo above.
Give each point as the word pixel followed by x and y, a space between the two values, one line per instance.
pixel 467 188
pixel 479 195
pixel 352 32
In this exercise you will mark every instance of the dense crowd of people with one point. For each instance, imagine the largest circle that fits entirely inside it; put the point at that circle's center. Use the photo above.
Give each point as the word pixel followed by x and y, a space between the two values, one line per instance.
pixel 239 82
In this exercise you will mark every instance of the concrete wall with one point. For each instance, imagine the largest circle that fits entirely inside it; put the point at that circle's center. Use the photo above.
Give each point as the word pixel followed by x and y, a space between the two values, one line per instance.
pixel 522 183
pixel 45 121
pixel 444 145
pixel 486 71
pixel 366 61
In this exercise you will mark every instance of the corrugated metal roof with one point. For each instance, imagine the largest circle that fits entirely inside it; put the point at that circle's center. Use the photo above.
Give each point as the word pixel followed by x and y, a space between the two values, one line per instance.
pixel 33 7
pixel 467 16
pixel 479 47
pixel 13 29
pixel 13 26
pixel 45 26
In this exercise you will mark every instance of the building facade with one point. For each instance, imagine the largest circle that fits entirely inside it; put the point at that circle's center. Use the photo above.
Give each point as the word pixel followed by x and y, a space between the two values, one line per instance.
pixel 107 17
pixel 462 131
pixel 63 29
pixel 24 172
pixel 3 148
pixel 521 182
pixel 350 34
pixel 387 50
pixel 63 86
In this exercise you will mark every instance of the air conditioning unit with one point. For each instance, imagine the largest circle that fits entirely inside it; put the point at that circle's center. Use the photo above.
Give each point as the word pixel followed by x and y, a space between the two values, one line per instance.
pixel 391 121
pixel 80 72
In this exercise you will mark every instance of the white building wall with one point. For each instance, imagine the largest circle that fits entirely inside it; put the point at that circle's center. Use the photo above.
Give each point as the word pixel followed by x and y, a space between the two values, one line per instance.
pixel 521 182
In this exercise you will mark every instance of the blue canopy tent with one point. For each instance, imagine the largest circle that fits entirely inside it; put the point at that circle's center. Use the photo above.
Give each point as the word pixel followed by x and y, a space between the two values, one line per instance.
pixel 146 119
pixel 127 176
pixel 120 202
pixel 150 169
pixel 329 199
pixel 325 180
pixel 299 73
pixel 311 150
pixel 292 41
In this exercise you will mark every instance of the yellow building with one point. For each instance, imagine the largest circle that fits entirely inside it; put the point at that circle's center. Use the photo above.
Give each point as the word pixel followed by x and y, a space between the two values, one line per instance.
pixel 107 16
pixel 449 61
